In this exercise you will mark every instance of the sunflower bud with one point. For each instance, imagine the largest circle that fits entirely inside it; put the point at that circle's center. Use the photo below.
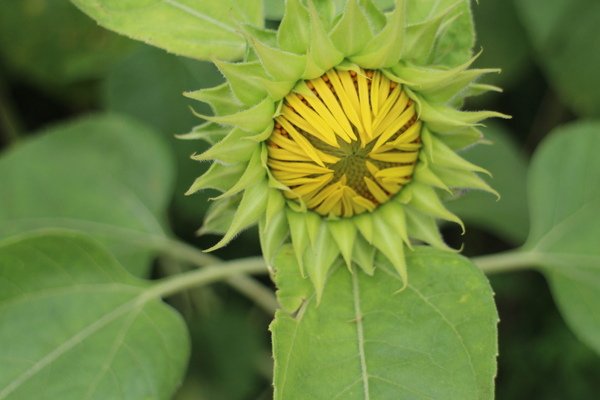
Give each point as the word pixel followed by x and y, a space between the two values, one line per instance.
pixel 336 134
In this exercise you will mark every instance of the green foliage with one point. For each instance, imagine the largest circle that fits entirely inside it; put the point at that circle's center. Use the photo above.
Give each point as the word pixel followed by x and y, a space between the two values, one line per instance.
pixel 565 36
pixel 197 29
pixel 456 46
pixel 106 175
pixel 77 322
pixel 564 200
pixel 368 340
pixel 74 51
pixel 92 330
pixel 274 8
pixel 148 86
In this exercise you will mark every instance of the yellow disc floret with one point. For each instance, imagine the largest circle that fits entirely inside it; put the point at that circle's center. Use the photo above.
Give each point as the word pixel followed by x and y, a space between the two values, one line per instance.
pixel 345 142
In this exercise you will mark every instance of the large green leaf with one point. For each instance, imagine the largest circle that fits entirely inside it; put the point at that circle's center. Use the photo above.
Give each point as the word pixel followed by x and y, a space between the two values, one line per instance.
pixel 75 325
pixel 365 340
pixel 76 50
pixel 105 174
pixel 198 29
pixel 148 85
pixel 564 198
pixel 565 35
pixel 508 217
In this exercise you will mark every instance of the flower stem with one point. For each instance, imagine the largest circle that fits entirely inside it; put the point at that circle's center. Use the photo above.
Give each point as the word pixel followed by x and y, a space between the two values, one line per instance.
pixel 245 285
pixel 200 277
pixel 182 251
pixel 512 260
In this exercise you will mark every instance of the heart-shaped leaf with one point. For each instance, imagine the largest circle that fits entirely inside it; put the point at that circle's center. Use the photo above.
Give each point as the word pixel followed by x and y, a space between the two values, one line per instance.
pixel 564 200
pixel 75 325
pixel 105 175
pixel 365 340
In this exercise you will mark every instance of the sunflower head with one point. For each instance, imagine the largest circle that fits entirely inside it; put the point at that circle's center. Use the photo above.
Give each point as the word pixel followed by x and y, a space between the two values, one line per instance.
pixel 345 142
pixel 338 133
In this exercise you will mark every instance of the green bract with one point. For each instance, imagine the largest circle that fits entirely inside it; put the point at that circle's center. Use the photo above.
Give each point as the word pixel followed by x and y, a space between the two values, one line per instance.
pixel 315 38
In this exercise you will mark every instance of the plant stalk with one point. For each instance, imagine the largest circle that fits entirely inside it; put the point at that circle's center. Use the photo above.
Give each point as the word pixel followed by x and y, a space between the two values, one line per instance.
pixel 200 277
pixel 245 285
pixel 512 260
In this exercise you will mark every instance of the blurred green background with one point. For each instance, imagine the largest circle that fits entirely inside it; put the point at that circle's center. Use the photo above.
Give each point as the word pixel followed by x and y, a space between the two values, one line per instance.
pixel 56 64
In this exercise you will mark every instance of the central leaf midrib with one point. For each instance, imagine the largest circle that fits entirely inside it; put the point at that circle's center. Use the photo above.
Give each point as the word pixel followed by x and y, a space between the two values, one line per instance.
pixel 360 335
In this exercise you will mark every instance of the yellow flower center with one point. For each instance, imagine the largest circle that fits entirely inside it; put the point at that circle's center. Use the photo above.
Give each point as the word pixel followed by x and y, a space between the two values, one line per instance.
pixel 345 142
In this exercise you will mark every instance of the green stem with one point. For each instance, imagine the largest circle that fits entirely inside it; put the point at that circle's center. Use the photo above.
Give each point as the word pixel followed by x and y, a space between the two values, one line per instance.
pixel 200 277
pixel 182 251
pixel 173 249
pixel 247 286
pixel 507 261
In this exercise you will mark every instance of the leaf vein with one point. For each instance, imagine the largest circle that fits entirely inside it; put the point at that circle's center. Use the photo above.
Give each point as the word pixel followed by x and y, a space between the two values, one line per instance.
pixel 452 327
pixel 192 12
pixel 360 335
